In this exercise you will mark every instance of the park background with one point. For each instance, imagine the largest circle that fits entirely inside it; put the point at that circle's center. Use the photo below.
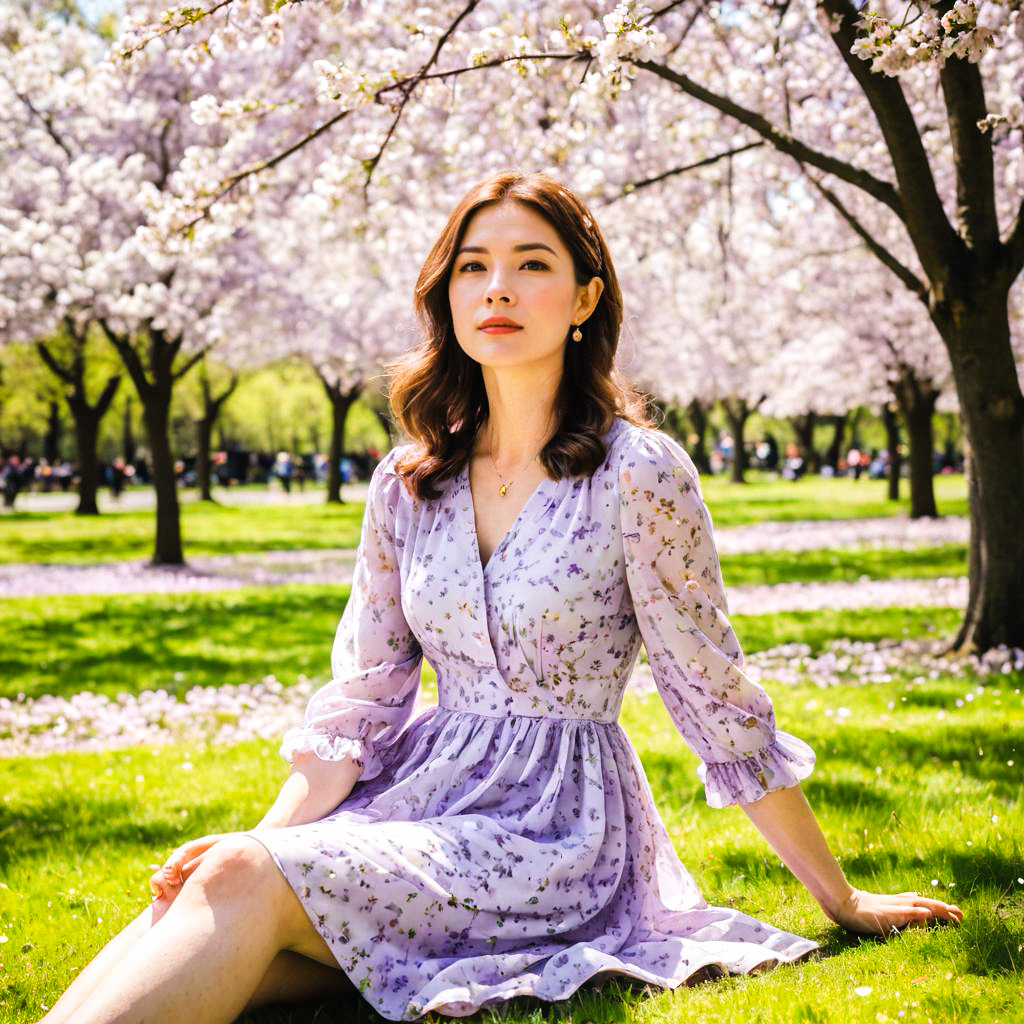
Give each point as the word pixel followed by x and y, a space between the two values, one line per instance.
pixel 211 220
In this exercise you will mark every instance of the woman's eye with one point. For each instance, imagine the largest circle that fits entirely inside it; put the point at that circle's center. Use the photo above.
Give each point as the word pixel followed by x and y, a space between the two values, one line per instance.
pixel 535 265
pixel 471 265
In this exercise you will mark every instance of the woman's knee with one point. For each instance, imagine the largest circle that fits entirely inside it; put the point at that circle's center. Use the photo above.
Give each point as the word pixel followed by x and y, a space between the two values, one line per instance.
pixel 233 867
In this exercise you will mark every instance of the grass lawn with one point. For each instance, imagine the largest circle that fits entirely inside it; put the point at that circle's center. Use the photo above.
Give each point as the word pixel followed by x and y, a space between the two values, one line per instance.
pixel 762 500
pixel 903 796
pixel 132 643
pixel 217 530
pixel 64 538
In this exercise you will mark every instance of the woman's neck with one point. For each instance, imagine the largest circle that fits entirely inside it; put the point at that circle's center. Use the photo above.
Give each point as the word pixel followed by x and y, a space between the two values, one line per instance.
pixel 521 416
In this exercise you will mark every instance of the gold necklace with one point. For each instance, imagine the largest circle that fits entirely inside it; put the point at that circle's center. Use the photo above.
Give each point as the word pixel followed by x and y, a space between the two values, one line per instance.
pixel 505 485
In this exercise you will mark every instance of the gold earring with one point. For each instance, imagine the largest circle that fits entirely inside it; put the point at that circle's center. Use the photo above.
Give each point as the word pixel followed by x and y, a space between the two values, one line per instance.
pixel 577 335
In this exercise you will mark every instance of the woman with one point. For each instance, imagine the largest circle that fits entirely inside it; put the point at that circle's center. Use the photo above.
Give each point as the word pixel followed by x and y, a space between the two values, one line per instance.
pixel 505 843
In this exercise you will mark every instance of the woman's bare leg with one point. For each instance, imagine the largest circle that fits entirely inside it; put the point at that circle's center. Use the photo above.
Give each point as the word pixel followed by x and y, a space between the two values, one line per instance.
pixel 290 977
pixel 213 947
pixel 293 978
pixel 103 963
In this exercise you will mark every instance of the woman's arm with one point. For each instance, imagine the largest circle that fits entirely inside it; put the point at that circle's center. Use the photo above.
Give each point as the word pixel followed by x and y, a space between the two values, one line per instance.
pixel 312 790
pixel 786 820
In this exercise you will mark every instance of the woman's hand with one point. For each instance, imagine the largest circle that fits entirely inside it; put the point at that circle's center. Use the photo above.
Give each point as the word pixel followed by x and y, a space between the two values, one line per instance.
pixel 868 913
pixel 167 881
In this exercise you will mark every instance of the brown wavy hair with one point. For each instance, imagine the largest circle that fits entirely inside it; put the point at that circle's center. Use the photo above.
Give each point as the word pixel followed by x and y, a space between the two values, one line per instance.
pixel 437 392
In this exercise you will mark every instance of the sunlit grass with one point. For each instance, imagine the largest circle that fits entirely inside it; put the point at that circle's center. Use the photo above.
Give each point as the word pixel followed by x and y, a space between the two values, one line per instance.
pixel 904 796
pixel 131 643
pixel 219 530
pixel 64 538
pixel 764 499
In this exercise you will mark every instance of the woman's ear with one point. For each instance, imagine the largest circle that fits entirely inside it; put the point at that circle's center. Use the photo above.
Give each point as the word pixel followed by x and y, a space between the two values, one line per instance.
pixel 586 302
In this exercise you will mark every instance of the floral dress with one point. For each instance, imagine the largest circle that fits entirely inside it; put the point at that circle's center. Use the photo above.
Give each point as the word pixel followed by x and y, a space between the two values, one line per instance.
pixel 506 842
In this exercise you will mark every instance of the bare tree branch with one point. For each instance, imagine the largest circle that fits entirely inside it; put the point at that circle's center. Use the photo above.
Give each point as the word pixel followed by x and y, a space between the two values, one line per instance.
pixel 706 162
pixel 46 122
pixel 905 274
pixel 176 375
pixel 409 87
pixel 881 190
pixel 936 242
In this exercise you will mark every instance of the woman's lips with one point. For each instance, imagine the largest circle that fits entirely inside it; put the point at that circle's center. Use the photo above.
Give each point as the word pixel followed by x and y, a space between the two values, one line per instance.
pixel 500 329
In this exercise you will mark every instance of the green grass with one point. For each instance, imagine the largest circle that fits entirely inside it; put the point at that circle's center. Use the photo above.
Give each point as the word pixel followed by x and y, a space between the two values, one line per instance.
pixel 132 643
pixel 64 538
pixel 78 833
pixel 217 530
pixel 764 500
pixel 844 564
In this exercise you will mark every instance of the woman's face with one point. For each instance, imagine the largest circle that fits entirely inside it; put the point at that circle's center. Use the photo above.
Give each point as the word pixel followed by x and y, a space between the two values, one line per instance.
pixel 512 266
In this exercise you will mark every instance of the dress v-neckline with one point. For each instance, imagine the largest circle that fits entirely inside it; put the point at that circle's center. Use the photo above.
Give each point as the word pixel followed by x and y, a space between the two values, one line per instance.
pixel 509 533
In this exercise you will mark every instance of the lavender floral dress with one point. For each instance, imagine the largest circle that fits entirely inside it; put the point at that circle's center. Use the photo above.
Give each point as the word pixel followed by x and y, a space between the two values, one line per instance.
pixel 506 842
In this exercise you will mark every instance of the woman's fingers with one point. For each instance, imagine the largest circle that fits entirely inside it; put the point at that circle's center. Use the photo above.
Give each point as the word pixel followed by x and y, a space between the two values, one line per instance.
pixel 182 863
pixel 881 913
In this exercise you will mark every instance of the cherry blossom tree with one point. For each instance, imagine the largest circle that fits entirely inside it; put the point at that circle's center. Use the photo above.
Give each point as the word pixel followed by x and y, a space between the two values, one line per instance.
pixel 907 125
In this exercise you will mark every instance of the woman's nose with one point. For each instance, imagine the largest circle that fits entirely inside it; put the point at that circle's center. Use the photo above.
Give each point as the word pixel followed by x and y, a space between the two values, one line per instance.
pixel 498 291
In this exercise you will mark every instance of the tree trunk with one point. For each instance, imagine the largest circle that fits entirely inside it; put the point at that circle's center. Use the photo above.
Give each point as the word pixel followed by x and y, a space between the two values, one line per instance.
pixel 737 413
pixel 156 410
pixel 835 449
pixel 212 405
pixel 386 425
pixel 892 442
pixel 803 429
pixel 917 400
pixel 854 424
pixel 54 430
pixel 154 382
pixel 698 417
pixel 341 401
pixel 977 335
pixel 128 446
pixel 86 417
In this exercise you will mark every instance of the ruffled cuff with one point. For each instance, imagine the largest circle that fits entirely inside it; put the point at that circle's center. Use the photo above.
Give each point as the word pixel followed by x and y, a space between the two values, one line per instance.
pixel 331 748
pixel 785 763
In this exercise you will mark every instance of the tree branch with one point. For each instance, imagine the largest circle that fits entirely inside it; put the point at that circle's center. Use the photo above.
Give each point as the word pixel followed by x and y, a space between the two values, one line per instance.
pixel 936 242
pixel 176 375
pixel 46 122
pixel 407 89
pixel 1014 248
pixel 964 93
pixel 706 162
pixel 905 274
pixel 131 360
pixel 54 364
pixel 881 190
pixel 265 165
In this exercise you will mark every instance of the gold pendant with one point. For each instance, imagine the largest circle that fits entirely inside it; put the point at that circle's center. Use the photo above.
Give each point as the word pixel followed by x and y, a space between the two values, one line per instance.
pixel 503 490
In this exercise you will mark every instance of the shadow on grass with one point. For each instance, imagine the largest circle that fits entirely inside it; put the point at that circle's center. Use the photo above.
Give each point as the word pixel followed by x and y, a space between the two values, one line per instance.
pixel 31 830
pixel 977 752
pixel 608 999
pixel 129 644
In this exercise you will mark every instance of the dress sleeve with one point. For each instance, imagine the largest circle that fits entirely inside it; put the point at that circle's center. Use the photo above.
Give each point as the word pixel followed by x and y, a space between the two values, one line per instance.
pixel 676 585
pixel 376 659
